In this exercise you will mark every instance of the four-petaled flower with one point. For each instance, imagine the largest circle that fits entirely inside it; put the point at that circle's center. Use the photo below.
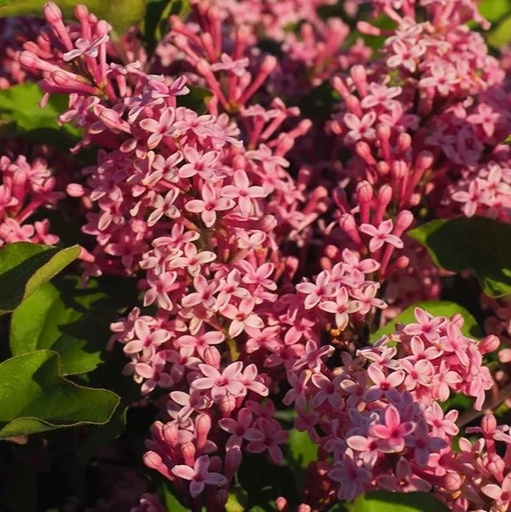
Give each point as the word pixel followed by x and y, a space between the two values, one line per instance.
pixel 199 475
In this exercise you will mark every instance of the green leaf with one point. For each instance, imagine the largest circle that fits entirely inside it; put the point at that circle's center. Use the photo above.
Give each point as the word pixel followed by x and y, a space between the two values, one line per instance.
pixel 156 22
pixel 121 14
pixel 237 501
pixel 494 10
pixel 20 103
pixel 44 320
pixel 169 499
pixel 25 266
pixel 435 307
pixel 35 398
pixel 302 451
pixel 501 34
pixel 386 501
pixel 478 244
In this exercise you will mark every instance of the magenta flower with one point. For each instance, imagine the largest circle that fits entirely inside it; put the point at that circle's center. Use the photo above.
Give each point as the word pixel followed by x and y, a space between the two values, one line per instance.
pixel 199 475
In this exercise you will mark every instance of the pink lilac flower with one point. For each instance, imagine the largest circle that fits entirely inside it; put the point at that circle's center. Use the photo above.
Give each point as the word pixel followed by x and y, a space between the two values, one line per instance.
pixel 199 475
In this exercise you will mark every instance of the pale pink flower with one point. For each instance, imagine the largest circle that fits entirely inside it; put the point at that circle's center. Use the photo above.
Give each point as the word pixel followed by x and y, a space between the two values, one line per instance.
pixel 210 204
pixel 381 234
pixel 221 384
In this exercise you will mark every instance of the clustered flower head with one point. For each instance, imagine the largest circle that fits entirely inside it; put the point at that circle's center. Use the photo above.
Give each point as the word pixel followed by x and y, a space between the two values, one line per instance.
pixel 267 246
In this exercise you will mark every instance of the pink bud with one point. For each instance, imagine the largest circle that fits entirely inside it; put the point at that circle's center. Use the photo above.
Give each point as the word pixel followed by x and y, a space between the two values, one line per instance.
pixel 332 251
pixel 348 224
pixel 457 319
pixel 233 460
pixel 364 192
pixel 52 13
pixel 268 65
pixel 385 194
pixel 401 262
pixel 363 150
pixel 28 59
pixel 203 424
pixel 281 504
pixel 188 452
pixel 368 29
pixel 496 465
pixel 340 87
pixel 82 13
pixel 489 424
pixel 383 168
pixel 102 28
pixel 452 482
pixel 75 190
pixel 489 344
pixel 404 142
pixel 353 105
pixel 424 160
pixel 399 170
pixel 86 256
pixel 153 460
pixel 62 78
pixel 110 118
pixel 170 434
pixel 359 77
pixel 403 221
pixel 212 357
pixel 227 404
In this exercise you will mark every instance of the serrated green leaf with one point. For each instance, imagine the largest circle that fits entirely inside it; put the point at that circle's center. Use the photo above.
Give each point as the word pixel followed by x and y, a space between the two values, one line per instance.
pixel 25 266
pixel 35 398
pixel 478 244
pixel 435 307
pixel 121 14
pixel 386 501
pixel 44 320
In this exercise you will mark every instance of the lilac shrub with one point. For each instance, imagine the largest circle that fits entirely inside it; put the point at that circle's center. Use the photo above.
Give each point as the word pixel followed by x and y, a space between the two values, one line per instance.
pixel 268 240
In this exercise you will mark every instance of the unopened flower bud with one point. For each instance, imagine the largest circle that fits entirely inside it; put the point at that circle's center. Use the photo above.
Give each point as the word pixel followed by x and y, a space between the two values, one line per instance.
pixel 52 13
